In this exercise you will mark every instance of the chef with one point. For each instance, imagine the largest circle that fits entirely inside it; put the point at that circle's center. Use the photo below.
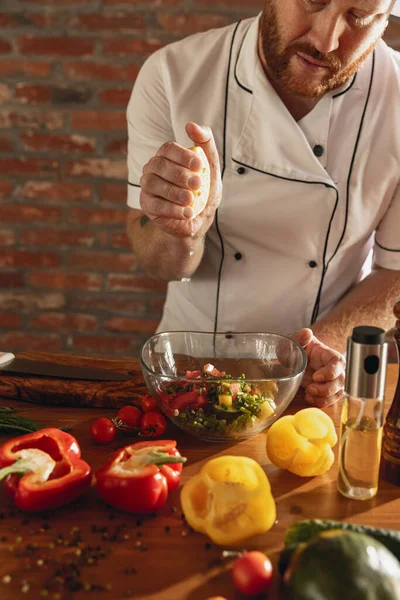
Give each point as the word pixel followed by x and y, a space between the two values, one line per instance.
pixel 298 113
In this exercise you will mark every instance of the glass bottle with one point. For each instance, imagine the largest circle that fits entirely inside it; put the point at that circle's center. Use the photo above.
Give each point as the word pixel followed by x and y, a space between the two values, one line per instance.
pixel 362 413
pixel 391 430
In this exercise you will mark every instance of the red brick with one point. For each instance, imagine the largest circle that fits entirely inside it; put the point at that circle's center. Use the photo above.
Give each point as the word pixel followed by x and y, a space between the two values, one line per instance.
pixel 29 214
pixel 28 166
pixel 98 121
pixel 61 2
pixel 33 119
pixel 5 93
pixel 101 261
pixel 12 279
pixel 105 71
pixel 65 143
pixel 186 24
pixel 97 216
pixel 96 167
pixel 156 3
pixel 9 320
pixel 116 96
pixel 157 304
pixel 24 258
pixel 5 46
pixel 55 46
pixel 115 193
pixel 101 344
pixel 27 19
pixel 57 238
pixel 22 68
pixel 110 304
pixel 20 341
pixel 6 143
pixel 66 281
pixel 6 188
pixel 116 147
pixel 124 47
pixel 30 93
pixel 6 20
pixel 31 301
pixel 57 191
pixel 64 323
pixel 115 22
pixel 119 239
pixel 238 4
pixel 7 237
pixel 133 283
pixel 35 93
pixel 125 325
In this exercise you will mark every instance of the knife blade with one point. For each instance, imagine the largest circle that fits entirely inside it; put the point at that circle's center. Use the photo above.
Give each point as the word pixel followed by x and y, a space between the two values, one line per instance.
pixel 9 363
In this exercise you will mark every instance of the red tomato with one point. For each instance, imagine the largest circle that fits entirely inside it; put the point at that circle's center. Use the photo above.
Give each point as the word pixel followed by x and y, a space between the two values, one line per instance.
pixel 153 424
pixel 103 430
pixel 148 404
pixel 252 573
pixel 130 415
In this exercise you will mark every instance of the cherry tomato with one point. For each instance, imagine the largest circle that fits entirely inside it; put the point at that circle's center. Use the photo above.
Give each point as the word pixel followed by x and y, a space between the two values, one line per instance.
pixel 148 404
pixel 252 573
pixel 130 415
pixel 103 430
pixel 153 424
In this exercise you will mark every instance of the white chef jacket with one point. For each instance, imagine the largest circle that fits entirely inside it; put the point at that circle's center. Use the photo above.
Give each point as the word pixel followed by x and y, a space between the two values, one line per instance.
pixel 302 201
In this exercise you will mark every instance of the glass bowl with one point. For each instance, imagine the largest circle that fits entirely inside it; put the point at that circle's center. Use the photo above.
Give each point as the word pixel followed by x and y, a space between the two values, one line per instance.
pixel 221 386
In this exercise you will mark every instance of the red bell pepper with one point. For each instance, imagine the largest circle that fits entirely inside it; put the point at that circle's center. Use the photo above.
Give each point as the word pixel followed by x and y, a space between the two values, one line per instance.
pixel 43 469
pixel 139 477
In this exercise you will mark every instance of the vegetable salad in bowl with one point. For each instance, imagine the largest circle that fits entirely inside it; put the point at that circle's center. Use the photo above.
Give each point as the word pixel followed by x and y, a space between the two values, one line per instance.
pixel 220 387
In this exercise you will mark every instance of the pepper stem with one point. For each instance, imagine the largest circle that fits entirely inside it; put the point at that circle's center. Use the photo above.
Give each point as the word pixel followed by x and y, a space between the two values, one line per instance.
pixel 156 457
pixel 20 466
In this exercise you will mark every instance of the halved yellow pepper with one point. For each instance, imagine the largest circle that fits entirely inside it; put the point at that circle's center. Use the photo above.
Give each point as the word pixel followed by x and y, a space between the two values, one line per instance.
pixel 302 443
pixel 229 500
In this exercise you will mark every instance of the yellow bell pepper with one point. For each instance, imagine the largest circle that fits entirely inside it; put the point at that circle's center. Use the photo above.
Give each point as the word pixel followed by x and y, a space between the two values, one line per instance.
pixel 229 500
pixel 302 443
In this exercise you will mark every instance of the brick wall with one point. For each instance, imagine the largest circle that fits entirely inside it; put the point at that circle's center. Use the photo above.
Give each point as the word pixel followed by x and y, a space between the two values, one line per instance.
pixel 68 280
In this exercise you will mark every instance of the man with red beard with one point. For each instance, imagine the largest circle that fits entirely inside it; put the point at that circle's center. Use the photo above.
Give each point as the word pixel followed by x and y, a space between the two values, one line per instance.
pixel 298 113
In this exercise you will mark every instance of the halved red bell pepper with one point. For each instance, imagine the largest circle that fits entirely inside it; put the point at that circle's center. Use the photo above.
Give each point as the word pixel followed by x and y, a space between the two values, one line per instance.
pixel 43 469
pixel 138 477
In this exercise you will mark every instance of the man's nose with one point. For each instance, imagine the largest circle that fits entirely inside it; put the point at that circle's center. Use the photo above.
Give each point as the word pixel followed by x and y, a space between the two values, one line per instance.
pixel 326 32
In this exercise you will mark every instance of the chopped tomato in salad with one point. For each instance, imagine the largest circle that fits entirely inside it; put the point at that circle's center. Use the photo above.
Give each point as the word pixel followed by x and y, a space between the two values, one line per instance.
pixel 213 400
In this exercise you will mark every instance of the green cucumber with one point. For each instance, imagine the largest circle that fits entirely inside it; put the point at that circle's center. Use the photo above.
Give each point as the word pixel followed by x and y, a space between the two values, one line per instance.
pixel 302 531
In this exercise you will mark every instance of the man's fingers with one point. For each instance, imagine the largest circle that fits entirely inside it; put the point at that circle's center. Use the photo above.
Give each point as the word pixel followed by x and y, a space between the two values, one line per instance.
pixel 155 207
pixel 335 366
pixel 323 402
pixel 156 186
pixel 203 136
pixel 326 389
pixel 180 155
pixel 170 172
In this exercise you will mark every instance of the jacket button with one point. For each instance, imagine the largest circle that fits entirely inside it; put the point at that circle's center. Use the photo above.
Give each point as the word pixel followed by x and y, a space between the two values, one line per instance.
pixel 318 150
pixel 238 256
pixel 312 264
pixel 241 170
pixel 228 335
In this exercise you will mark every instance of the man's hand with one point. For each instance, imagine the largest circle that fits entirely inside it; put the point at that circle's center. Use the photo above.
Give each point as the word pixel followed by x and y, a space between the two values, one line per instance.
pixel 324 377
pixel 169 180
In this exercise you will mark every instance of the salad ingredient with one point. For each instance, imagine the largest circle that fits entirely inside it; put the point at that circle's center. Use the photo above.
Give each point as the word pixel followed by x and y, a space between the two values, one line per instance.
pixel 148 404
pixel 302 531
pixel 229 500
pixel 103 430
pixel 153 424
pixel 340 564
pixel 43 470
pixel 130 416
pixel 302 443
pixel 213 402
pixel 138 477
pixel 201 195
pixel 252 573
pixel 12 423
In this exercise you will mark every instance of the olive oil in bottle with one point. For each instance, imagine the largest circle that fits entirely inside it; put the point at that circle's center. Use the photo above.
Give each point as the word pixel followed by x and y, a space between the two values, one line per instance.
pixel 391 430
pixel 362 413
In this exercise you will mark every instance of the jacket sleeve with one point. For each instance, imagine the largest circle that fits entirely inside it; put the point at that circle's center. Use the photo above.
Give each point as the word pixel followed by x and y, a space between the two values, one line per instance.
pixel 387 238
pixel 148 119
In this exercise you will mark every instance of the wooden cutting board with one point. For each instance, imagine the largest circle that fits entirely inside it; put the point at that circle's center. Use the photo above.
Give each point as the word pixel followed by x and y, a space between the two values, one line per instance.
pixel 70 392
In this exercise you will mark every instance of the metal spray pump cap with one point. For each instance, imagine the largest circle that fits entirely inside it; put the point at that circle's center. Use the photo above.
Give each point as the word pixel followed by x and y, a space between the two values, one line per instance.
pixel 366 362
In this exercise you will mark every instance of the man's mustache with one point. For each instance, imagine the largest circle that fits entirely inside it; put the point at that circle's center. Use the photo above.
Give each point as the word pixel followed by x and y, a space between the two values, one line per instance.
pixel 328 60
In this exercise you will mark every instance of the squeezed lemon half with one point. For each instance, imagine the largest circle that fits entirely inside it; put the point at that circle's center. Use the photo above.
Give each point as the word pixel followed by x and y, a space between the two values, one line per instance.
pixel 201 195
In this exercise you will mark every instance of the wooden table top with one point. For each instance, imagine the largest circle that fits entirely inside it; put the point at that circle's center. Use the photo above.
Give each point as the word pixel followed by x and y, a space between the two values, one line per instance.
pixel 119 555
